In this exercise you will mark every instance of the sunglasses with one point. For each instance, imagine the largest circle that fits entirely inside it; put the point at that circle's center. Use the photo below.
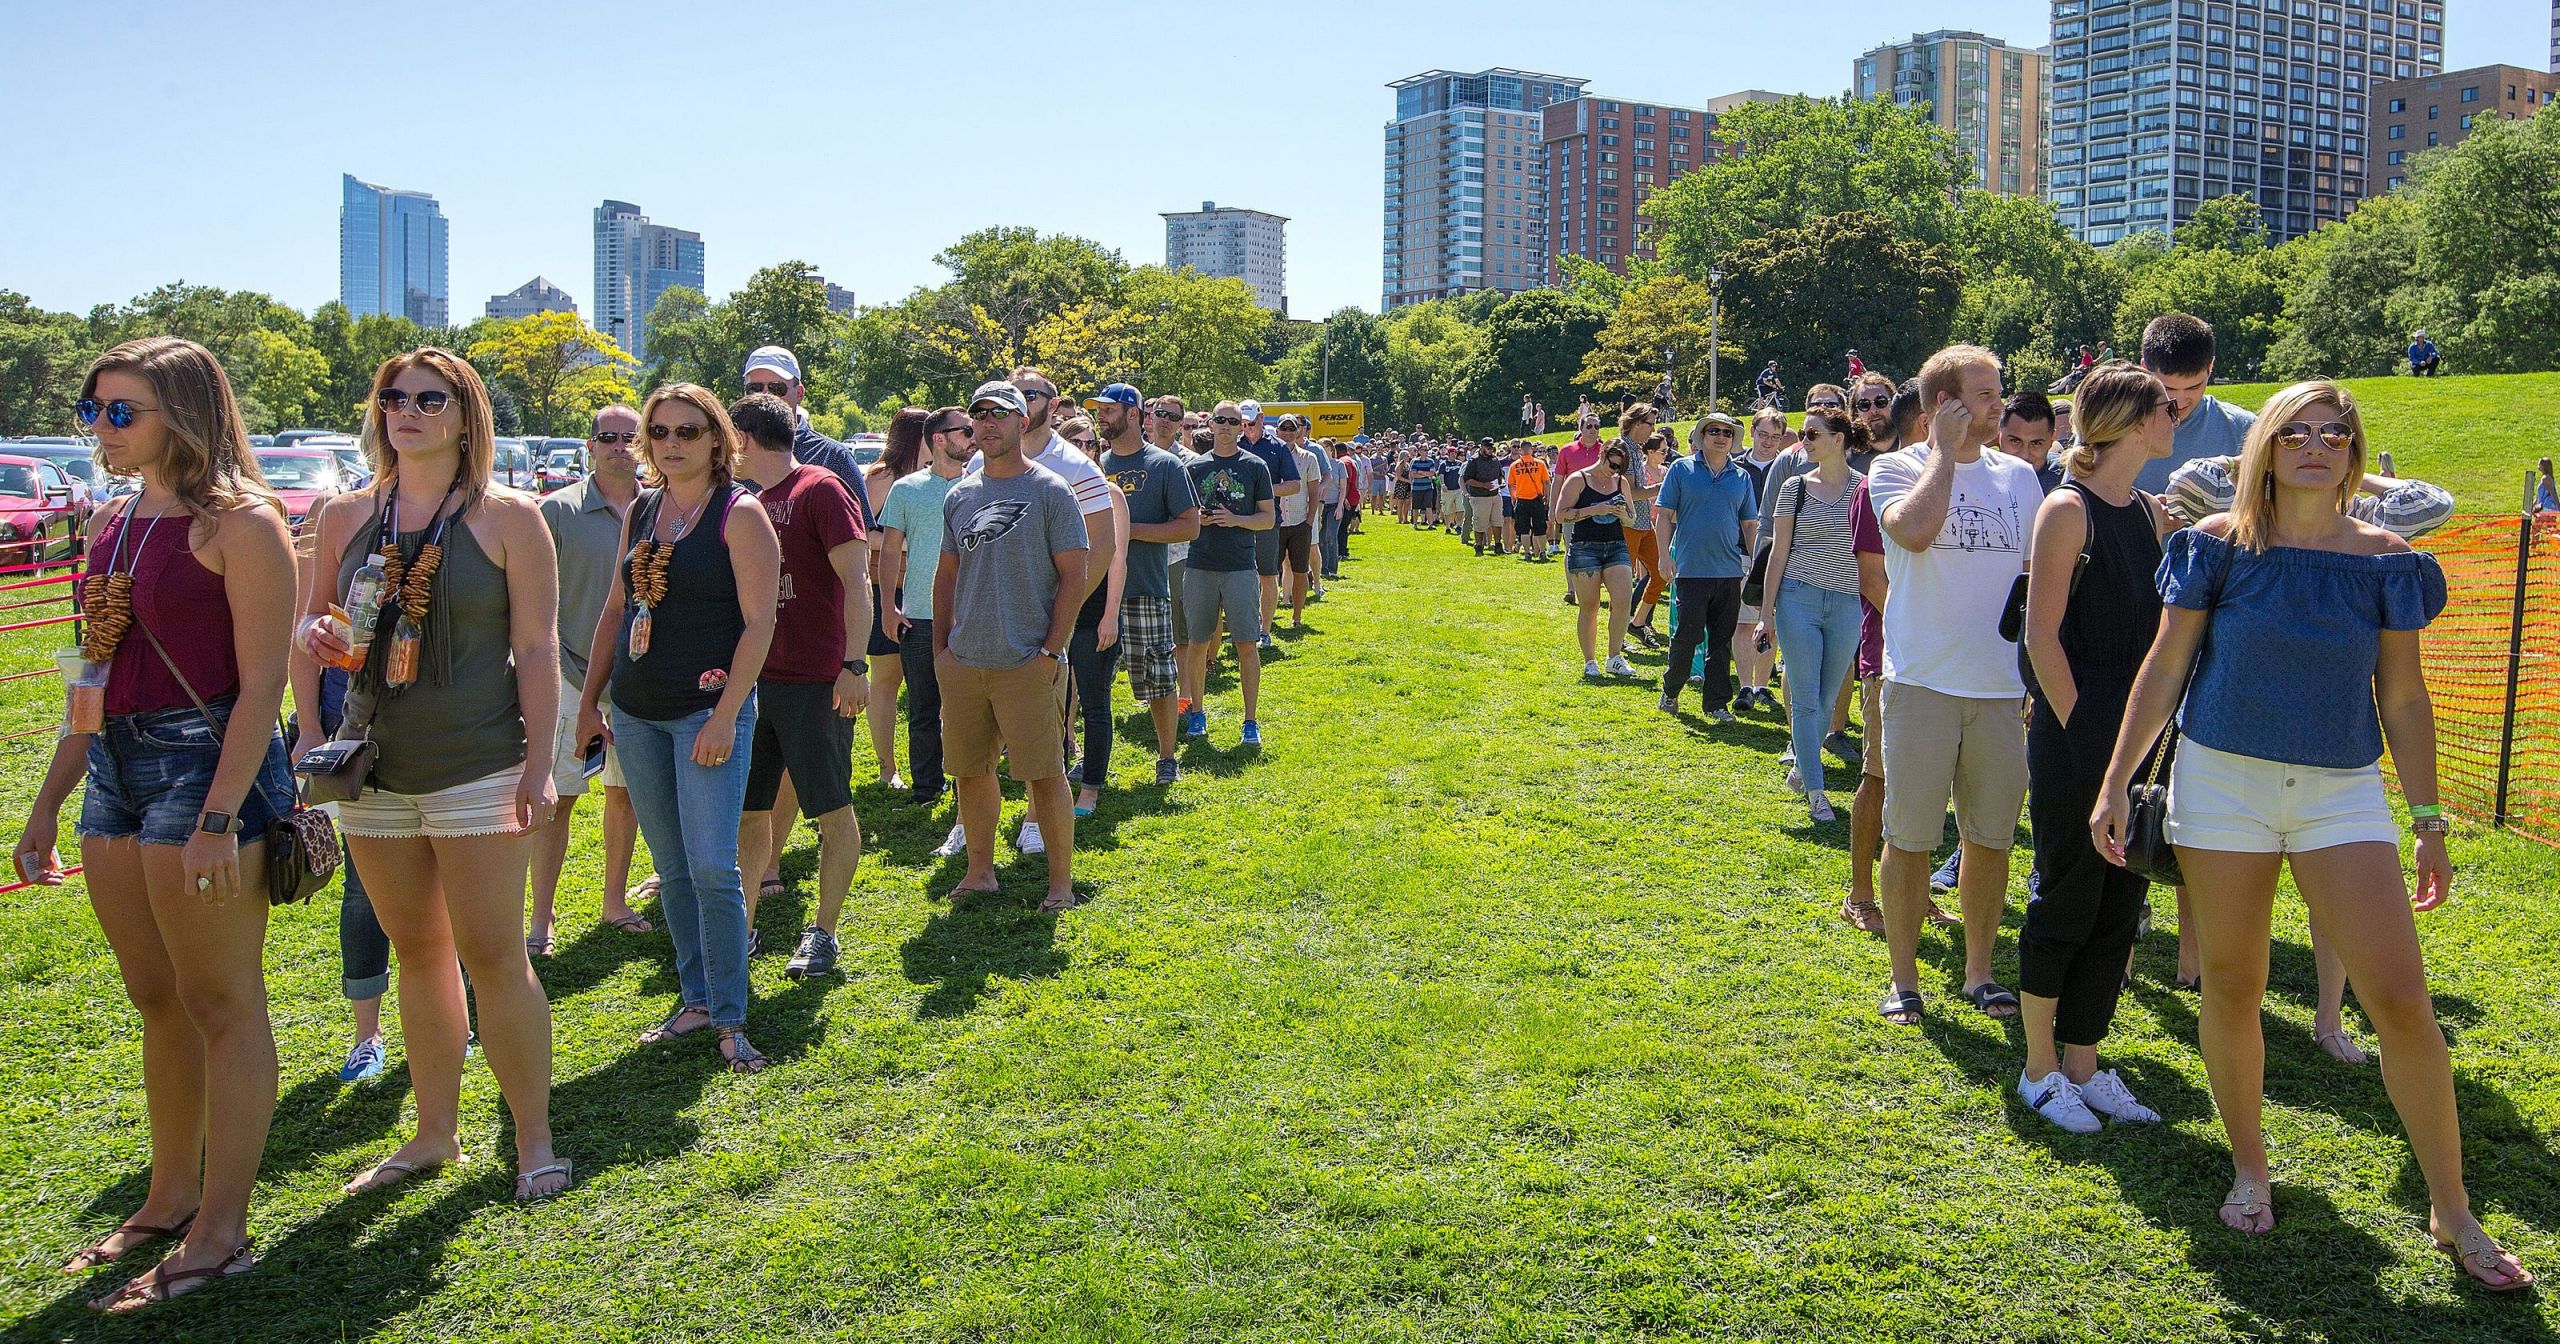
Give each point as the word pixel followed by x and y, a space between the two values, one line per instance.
pixel 1873 403
pixel 2336 435
pixel 990 413
pixel 615 436
pixel 963 428
pixel 1226 420
pixel 1715 432
pixel 682 433
pixel 393 401
pixel 1043 393
pixel 119 412
pixel 1823 404
pixel 774 389
pixel 1086 444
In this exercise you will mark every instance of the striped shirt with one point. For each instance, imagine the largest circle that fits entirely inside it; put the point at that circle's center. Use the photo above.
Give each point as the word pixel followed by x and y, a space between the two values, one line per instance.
pixel 2408 510
pixel 1819 549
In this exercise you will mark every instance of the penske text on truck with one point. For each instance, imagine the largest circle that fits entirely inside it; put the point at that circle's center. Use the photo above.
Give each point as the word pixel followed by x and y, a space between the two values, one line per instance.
pixel 1331 419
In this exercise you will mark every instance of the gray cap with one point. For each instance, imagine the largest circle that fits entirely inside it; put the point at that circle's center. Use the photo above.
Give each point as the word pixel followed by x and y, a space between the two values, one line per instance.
pixel 1003 394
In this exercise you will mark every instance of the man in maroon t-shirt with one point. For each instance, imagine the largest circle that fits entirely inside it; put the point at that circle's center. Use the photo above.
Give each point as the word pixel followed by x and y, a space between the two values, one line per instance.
pixel 814 678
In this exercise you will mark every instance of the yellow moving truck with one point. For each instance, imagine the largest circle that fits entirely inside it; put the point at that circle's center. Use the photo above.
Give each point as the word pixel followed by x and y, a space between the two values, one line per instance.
pixel 1331 419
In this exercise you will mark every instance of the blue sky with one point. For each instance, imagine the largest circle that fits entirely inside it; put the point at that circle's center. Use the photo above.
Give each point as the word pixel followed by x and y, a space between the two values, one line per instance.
pixel 147 142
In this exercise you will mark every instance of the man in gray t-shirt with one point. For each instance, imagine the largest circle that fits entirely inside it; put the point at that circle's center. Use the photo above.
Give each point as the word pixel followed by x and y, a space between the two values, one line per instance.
pixel 2178 350
pixel 1164 511
pixel 999 534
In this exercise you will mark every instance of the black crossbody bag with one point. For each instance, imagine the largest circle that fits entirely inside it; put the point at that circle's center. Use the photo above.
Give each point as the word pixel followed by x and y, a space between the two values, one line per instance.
pixel 303 852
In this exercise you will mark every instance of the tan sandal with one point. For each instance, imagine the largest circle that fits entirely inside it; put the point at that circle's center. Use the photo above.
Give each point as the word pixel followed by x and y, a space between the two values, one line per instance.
pixel 1864 916
pixel 2480 1255
pixel 97 1256
pixel 2251 1197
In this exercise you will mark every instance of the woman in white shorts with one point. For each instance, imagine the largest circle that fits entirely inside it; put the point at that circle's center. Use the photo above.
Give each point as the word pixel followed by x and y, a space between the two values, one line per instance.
pixel 468 655
pixel 2299 626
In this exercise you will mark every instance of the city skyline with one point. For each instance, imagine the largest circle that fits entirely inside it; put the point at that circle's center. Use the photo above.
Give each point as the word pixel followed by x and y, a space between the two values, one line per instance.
pixel 868 208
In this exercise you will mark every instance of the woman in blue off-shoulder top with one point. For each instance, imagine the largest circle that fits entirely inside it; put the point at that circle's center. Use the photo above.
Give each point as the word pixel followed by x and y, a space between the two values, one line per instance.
pixel 2300 625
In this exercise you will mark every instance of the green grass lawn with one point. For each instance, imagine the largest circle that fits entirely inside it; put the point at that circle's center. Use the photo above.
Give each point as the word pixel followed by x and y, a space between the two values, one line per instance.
pixel 2475 435
pixel 1484 1004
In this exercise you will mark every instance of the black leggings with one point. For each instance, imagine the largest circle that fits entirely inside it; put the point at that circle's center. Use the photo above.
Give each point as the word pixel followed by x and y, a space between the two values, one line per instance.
pixel 1093 669
pixel 1708 610
pixel 924 709
pixel 2083 910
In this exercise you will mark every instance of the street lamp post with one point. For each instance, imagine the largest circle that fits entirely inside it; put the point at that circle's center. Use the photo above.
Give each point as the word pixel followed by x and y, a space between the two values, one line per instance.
pixel 1325 387
pixel 1715 315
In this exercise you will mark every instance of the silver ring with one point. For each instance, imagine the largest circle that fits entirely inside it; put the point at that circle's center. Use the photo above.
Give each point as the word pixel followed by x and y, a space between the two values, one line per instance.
pixel 204 884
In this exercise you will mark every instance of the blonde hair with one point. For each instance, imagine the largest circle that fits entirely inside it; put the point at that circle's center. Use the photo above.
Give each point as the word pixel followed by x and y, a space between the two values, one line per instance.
pixel 2115 398
pixel 726 448
pixel 1943 374
pixel 207 460
pixel 479 436
pixel 2253 504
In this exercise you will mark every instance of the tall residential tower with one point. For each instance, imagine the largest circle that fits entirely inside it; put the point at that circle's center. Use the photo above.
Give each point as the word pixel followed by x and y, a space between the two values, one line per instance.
pixel 1224 241
pixel 637 261
pixel 1466 172
pixel 1989 94
pixel 391 253
pixel 1605 158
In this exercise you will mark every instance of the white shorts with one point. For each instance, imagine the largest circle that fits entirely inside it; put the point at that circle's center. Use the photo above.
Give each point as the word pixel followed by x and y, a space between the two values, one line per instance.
pixel 568 754
pixel 484 806
pixel 2249 805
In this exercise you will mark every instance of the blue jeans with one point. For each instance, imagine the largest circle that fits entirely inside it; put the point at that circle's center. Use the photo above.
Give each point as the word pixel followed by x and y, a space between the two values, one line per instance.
pixel 364 950
pixel 693 810
pixel 1329 542
pixel 1818 634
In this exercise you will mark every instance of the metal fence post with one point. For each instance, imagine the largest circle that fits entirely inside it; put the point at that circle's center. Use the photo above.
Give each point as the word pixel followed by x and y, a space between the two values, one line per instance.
pixel 2515 663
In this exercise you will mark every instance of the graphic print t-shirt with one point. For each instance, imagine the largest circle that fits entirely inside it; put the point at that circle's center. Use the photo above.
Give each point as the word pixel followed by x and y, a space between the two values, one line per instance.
pixel 1159 491
pixel 813 514
pixel 1942 609
pixel 1001 534
pixel 1236 483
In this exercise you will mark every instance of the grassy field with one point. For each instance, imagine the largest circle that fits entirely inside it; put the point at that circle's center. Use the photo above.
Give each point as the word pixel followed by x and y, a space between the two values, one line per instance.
pixel 2474 435
pixel 1484 1004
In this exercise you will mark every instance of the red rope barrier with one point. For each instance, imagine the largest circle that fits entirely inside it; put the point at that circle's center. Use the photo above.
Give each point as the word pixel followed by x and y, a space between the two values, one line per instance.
pixel 39 583
pixel 30 625
pixel 16 887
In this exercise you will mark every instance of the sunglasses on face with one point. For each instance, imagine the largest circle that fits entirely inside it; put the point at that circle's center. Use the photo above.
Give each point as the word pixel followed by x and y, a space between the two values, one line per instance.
pixel 2336 435
pixel 118 412
pixel 1226 420
pixel 616 436
pixel 682 433
pixel 1873 403
pixel 393 401
pixel 773 389
pixel 1041 393
pixel 1086 444
pixel 962 428
pixel 985 413
pixel 1715 432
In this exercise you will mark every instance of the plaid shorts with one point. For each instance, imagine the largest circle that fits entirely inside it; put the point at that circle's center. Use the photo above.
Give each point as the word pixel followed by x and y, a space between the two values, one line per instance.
pixel 1146 645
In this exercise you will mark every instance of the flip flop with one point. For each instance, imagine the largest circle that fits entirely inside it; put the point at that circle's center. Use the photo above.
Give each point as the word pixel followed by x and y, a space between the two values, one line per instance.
pixel 96 1258
pixel 630 921
pixel 1899 1003
pixel 157 1284
pixel 2478 1252
pixel 1988 995
pixel 2251 1197
pixel 537 947
pixel 565 1169
pixel 665 1031
pixel 403 1171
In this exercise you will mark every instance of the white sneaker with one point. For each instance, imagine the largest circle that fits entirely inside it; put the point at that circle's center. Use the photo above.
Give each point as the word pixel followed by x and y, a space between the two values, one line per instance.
pixel 1618 666
pixel 2057 1100
pixel 1818 805
pixel 1029 841
pixel 1590 668
pixel 1795 779
pixel 2106 1094
pixel 955 845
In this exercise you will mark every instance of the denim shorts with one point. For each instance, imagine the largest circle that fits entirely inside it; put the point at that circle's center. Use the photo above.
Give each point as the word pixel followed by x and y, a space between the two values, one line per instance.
pixel 149 773
pixel 1592 557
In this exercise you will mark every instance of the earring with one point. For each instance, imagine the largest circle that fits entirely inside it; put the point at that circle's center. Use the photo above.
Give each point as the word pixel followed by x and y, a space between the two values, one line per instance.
pixel 2270 479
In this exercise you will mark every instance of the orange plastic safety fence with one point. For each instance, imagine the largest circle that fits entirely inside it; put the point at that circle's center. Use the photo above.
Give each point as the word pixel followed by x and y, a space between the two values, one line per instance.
pixel 2493 671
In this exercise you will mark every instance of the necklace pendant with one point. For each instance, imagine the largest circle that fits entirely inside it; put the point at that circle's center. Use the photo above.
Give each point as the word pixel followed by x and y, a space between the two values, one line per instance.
pixel 640 623
pixel 401 668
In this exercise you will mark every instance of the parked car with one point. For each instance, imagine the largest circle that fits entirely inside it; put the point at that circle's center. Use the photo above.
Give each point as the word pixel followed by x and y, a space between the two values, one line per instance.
pixel 513 464
pixel 77 462
pixel 867 448
pixel 39 516
pixel 305 478
pixel 287 438
pixel 563 466
pixel 358 472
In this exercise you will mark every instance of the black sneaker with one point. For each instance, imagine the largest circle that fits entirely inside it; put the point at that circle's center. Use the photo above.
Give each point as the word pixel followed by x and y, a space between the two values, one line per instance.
pixel 1167 770
pixel 755 942
pixel 816 955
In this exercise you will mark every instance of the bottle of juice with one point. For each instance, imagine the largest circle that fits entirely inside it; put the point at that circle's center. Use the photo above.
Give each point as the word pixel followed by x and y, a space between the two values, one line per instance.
pixel 365 595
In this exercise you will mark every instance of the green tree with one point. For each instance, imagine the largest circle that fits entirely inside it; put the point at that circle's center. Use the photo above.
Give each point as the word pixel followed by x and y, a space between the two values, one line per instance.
pixel 784 305
pixel 1534 344
pixel 354 348
pixel 278 380
pixel 1195 337
pixel 689 342
pixel 1348 362
pixel 1803 158
pixel 557 368
pixel 2347 279
pixel 1020 276
pixel 2219 269
pixel 1806 296
pixel 1669 313
pixel 43 357
pixel 1430 349
pixel 2489 245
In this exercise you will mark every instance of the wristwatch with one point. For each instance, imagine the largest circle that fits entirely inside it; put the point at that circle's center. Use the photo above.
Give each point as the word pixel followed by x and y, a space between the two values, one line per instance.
pixel 1059 654
pixel 220 823
pixel 860 667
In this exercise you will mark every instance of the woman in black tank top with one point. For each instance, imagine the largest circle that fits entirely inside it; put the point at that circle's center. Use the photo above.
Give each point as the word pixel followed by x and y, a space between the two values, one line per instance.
pixel 680 641
pixel 1596 510
pixel 2092 611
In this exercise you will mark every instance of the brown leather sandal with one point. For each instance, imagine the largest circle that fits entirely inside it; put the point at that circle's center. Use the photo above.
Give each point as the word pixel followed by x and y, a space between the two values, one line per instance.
pixel 159 1283
pixel 97 1256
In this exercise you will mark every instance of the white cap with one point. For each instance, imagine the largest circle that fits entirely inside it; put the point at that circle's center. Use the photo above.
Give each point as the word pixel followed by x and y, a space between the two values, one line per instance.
pixel 777 359
pixel 1251 410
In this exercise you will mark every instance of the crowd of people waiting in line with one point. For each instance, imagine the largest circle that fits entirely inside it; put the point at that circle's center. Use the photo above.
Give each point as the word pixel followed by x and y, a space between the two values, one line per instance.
pixel 691 630
pixel 2020 594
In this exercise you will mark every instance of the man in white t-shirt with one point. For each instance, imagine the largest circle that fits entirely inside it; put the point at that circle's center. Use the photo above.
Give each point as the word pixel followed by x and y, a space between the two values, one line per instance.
pixel 1956 520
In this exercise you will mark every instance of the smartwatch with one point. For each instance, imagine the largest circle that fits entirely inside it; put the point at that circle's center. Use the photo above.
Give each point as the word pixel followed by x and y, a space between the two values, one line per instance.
pixel 220 823
pixel 860 667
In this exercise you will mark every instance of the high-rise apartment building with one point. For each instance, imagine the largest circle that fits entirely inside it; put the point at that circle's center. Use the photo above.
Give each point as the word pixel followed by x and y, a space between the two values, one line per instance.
pixel 1466 178
pixel 391 253
pixel 2411 116
pixel 840 300
pixel 1606 157
pixel 2161 105
pixel 1988 94
pixel 1225 241
pixel 636 261
pixel 536 295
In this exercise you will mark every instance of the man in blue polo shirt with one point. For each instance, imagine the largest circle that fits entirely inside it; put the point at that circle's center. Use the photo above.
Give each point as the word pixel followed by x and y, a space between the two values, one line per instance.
pixel 1708 519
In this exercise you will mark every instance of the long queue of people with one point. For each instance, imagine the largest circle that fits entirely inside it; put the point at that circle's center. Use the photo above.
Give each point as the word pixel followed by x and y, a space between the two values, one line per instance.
pixel 690 630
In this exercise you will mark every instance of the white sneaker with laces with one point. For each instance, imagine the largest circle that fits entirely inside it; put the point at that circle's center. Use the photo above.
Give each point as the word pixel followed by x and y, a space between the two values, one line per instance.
pixel 2058 1100
pixel 1029 841
pixel 2106 1094
pixel 955 845
pixel 1590 668
pixel 1618 666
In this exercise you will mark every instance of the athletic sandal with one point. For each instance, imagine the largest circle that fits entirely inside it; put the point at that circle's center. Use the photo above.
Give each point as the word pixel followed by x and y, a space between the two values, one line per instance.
pixel 401 1172
pixel 2341 1047
pixel 1989 995
pixel 1057 904
pixel 742 1056
pixel 630 921
pixel 565 1169
pixel 1864 916
pixel 98 1256
pixel 668 1030
pixel 1941 917
pixel 159 1283
pixel 1902 1007
pixel 537 947
pixel 2479 1255
pixel 2251 1197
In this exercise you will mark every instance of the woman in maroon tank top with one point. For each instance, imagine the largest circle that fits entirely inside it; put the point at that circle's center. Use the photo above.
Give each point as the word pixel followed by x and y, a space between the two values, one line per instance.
pixel 179 796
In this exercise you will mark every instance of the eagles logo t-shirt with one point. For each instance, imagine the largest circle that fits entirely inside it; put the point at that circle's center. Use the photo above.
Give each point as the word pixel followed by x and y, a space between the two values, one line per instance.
pixel 1000 534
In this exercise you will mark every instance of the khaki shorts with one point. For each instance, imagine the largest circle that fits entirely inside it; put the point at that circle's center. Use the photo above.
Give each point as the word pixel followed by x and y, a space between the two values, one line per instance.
pixel 1945 745
pixel 568 754
pixel 1018 712
pixel 1871 715
pixel 483 806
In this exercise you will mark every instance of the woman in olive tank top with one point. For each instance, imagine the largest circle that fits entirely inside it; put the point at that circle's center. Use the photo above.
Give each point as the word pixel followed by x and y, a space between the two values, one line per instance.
pixel 463 655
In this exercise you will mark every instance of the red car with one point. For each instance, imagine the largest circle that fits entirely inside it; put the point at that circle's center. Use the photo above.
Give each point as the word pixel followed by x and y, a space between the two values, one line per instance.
pixel 39 511
pixel 305 478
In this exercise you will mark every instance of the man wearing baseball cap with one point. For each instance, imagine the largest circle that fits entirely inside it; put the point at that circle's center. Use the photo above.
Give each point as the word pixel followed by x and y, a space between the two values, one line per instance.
pixel 1164 511
pixel 1258 439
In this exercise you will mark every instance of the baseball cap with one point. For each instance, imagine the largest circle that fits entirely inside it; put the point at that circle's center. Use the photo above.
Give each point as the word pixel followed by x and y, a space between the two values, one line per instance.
pixel 776 358
pixel 1118 394
pixel 1003 394
pixel 1359 438
pixel 1251 410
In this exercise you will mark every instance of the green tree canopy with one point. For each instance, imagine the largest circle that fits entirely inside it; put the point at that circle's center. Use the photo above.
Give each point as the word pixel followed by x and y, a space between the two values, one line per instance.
pixel 1803 158
pixel 1667 315
pixel 1806 296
